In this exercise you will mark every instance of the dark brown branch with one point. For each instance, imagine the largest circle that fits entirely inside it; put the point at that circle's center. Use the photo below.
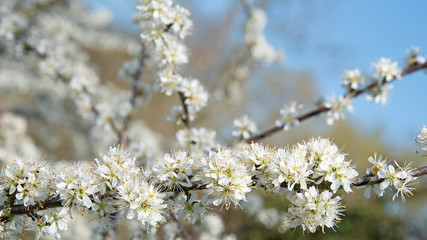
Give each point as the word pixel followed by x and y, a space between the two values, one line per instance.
pixel 322 109
pixel 186 117
pixel 197 185
pixel 21 209
pixel 278 128
pixel 366 180
pixel 419 171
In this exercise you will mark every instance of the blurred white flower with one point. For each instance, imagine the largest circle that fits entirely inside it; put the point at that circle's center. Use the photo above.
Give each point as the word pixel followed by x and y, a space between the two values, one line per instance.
pixel 246 128
pixel 379 94
pixel 413 57
pixel 337 107
pixel 387 70
pixel 353 79
pixel 289 114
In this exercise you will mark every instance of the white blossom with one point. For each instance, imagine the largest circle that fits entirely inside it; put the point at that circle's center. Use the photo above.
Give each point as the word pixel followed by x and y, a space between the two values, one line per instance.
pixel 260 49
pixel 228 179
pixel 193 209
pixel 196 139
pixel 292 168
pixel 378 165
pixel 245 127
pixel 312 210
pixel 174 170
pixel 172 51
pixel 53 223
pixel 28 180
pixel 289 114
pixel 258 159
pixel 379 94
pixel 177 115
pixel 143 201
pixel 387 70
pixel 115 166
pixel 353 79
pixel 337 107
pixel 214 225
pixel 399 178
pixel 413 57
pixel 331 165
pixel 196 96
pixel 76 184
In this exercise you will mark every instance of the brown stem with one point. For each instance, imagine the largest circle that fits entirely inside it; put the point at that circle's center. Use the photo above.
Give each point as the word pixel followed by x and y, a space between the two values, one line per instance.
pixel 322 109
pixel 367 180
pixel 5 212
pixel 186 116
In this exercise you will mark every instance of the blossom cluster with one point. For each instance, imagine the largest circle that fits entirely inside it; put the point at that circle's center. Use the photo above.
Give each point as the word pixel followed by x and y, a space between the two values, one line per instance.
pixel 309 174
pixel 400 178
pixel 259 47
pixel 354 80
pixel 113 182
pixel 313 210
pixel 226 176
pixel 82 187
pixel 229 174
pixel 44 51
pixel 355 83
pixel 164 26
pixel 414 57
pixel 197 140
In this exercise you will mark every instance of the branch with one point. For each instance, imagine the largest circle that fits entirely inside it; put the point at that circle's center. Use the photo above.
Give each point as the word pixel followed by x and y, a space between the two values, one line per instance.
pixel 186 116
pixel 322 109
pixel 6 212
pixel 21 209
pixel 367 180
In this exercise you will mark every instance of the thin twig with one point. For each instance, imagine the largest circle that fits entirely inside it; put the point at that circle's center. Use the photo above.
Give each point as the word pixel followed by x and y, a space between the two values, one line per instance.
pixel 186 117
pixel 367 180
pixel 322 109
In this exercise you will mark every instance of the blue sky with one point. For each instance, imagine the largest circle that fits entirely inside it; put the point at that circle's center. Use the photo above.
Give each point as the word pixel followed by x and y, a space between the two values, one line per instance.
pixel 341 35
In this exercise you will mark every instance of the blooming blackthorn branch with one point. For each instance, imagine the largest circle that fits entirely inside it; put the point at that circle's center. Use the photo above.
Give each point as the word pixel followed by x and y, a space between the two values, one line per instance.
pixel 323 108
pixel 308 172
pixel 182 185
pixel 366 180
